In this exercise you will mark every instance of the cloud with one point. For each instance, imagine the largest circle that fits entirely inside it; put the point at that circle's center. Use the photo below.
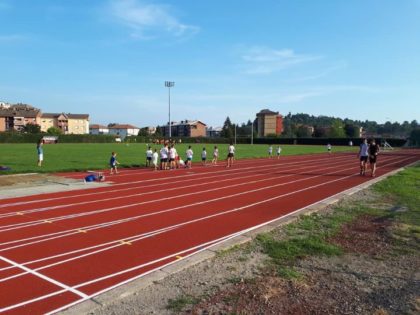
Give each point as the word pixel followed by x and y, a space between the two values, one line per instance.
pixel 149 20
pixel 265 60
pixel 12 38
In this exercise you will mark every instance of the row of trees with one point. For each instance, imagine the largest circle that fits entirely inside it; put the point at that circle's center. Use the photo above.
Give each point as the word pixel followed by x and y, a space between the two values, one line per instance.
pixel 326 126
pixel 34 128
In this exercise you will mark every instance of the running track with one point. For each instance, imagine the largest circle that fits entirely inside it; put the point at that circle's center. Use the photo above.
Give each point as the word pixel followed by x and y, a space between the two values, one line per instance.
pixel 59 249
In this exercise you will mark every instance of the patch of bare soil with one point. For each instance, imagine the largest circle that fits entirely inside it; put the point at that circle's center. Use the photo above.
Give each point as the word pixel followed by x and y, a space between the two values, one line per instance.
pixel 366 235
pixel 22 180
pixel 360 282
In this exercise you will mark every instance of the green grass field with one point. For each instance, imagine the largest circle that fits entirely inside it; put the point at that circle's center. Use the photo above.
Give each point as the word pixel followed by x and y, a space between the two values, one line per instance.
pixel 22 158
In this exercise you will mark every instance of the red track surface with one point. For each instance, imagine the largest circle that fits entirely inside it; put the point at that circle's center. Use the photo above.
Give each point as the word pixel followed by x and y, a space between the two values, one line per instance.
pixel 62 248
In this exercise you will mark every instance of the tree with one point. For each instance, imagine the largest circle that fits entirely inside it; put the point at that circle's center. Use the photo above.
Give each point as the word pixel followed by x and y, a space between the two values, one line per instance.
pixel 159 131
pixel 54 131
pixel 227 129
pixel 144 132
pixel 303 132
pixel 337 129
pixel 32 128
pixel 351 130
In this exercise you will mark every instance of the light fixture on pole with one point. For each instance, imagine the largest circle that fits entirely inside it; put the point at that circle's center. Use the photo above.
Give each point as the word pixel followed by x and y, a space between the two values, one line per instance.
pixel 169 84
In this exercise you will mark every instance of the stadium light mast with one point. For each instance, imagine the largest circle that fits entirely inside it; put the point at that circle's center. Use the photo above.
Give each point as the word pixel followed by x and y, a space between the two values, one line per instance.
pixel 169 84
pixel 252 132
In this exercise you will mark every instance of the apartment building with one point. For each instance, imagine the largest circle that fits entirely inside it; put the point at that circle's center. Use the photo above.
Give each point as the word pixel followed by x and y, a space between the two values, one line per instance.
pixel 269 123
pixel 68 123
pixel 186 128
pixel 16 117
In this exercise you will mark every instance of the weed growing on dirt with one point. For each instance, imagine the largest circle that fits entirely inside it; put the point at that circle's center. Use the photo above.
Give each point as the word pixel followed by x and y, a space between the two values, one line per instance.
pixel 176 305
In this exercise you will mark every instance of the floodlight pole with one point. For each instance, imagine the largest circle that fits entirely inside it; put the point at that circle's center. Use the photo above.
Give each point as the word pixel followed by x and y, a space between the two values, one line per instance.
pixel 235 134
pixel 169 84
pixel 252 133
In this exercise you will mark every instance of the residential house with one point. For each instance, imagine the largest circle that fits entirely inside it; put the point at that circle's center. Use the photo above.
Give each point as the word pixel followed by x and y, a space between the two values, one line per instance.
pixel 16 117
pixel 123 130
pixel 96 129
pixel 269 123
pixel 186 128
pixel 213 132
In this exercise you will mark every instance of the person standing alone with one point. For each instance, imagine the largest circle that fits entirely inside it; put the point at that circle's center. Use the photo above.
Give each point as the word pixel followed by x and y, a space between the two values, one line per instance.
pixel 40 151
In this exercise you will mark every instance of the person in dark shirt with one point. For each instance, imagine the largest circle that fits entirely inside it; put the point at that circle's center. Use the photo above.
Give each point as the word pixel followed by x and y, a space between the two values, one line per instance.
pixel 373 153
pixel 113 163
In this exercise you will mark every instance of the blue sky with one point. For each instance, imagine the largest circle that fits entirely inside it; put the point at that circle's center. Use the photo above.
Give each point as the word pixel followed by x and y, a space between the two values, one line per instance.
pixel 109 58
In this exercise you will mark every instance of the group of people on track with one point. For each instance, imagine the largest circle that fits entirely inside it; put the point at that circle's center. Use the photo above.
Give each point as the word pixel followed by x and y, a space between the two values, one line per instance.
pixel 168 158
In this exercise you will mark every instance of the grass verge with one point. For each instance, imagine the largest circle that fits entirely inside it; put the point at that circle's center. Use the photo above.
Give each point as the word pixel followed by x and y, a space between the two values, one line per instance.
pixel 309 236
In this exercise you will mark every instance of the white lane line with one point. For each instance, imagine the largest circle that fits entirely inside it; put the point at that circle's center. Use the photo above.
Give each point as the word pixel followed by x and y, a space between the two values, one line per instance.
pixel 200 248
pixel 44 277
pixel 170 228
pixel 10 227
pixel 115 244
pixel 279 167
pixel 185 178
pixel 154 213
pixel 129 238
pixel 23 303
pixel 237 209
pixel 106 224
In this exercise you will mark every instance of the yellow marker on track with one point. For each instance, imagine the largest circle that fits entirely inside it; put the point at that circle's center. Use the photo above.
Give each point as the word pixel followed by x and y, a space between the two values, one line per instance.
pixel 81 231
pixel 178 257
pixel 19 213
pixel 125 243
pixel 47 221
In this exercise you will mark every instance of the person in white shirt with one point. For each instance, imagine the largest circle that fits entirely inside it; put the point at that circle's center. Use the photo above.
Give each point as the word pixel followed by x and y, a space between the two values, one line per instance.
pixel 172 156
pixel 164 157
pixel 329 148
pixel 155 157
pixel 203 156
pixel 215 155
pixel 149 155
pixel 231 155
pixel 278 152
pixel 363 155
pixel 189 157
pixel 270 151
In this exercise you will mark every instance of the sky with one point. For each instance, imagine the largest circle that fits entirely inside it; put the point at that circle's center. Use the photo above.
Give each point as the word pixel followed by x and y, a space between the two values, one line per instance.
pixel 357 59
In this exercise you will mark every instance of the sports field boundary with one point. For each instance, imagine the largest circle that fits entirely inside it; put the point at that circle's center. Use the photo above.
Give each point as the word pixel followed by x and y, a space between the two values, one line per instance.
pixel 209 252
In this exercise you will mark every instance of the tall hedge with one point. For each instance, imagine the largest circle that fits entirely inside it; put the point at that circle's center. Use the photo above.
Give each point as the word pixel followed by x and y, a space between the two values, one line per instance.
pixel 18 137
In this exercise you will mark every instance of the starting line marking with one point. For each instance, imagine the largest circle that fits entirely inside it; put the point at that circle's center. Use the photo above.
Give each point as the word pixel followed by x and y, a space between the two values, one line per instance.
pixel 46 278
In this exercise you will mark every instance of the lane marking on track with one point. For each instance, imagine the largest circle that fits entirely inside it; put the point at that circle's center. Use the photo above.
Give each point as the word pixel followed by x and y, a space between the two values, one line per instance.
pixel 201 247
pixel 279 167
pixel 10 227
pixel 107 224
pixel 179 257
pixel 187 177
pixel 116 243
pixel 189 222
pixel 44 277
pixel 125 243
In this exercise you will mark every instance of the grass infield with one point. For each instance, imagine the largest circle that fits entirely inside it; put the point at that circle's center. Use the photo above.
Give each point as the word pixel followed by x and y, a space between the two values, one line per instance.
pixel 22 158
